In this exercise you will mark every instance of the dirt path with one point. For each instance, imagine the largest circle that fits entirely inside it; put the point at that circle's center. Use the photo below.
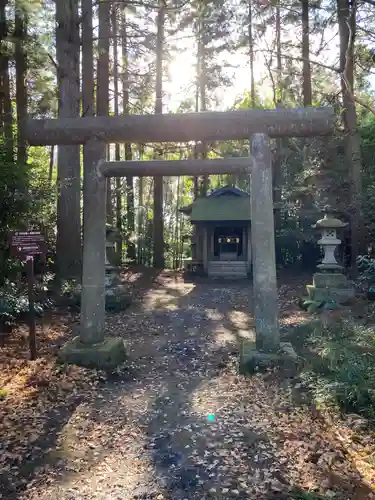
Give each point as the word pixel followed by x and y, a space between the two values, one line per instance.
pixel 183 425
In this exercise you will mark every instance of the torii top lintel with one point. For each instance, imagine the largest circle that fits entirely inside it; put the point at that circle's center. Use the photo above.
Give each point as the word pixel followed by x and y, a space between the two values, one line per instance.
pixel 183 127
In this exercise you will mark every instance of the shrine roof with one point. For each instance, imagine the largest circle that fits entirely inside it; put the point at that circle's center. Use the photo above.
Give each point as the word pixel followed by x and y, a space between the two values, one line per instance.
pixel 223 204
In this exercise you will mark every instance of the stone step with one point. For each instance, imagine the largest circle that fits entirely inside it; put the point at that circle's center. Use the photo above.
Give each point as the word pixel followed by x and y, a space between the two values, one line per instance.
pixel 234 264
pixel 228 269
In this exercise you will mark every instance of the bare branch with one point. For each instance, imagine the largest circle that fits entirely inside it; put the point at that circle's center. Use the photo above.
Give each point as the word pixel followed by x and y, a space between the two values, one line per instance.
pixel 302 59
pixel 139 3
pixel 370 2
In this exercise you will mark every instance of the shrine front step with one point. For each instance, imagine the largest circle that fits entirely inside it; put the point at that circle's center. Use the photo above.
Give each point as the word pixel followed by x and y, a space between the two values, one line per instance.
pixel 228 269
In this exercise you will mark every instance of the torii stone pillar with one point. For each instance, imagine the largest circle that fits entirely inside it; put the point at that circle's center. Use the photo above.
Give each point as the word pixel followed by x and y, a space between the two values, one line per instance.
pixel 94 232
pixel 267 350
pixel 91 348
pixel 263 246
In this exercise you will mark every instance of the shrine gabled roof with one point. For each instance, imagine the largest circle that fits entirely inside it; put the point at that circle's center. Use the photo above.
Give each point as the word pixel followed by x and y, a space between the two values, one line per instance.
pixel 227 191
pixel 226 203
pixel 231 208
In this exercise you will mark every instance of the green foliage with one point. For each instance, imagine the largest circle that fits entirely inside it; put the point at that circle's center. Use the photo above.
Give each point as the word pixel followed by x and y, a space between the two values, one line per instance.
pixel 14 206
pixel 307 495
pixel 340 366
pixel 8 302
pixel 366 268
pixel 367 132
pixel 3 394
pixel 27 200
pixel 318 306
pixel 14 303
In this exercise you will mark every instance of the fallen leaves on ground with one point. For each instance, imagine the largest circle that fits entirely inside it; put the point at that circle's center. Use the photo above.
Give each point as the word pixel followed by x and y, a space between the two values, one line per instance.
pixel 178 422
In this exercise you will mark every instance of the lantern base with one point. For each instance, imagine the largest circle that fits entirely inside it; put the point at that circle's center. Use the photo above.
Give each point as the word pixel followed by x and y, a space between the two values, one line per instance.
pixel 330 287
pixel 330 268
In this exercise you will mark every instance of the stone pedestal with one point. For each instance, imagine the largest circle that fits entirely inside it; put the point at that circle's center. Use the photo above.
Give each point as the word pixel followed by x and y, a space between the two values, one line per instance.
pixel 330 284
pixel 117 297
pixel 105 355
pixel 330 287
pixel 253 360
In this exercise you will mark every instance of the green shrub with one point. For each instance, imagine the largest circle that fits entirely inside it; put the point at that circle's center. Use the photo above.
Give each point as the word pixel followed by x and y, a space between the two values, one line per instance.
pixel 340 366
pixel 3 394
pixel 13 303
pixel 14 206
pixel 307 495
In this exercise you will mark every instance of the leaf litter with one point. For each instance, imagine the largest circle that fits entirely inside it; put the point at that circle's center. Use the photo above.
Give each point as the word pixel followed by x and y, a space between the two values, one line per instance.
pixel 177 421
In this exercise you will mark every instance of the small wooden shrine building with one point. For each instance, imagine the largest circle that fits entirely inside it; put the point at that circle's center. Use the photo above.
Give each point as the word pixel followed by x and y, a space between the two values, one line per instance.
pixel 221 241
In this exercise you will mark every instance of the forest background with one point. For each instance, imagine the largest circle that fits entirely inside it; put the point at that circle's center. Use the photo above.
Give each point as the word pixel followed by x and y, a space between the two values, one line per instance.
pixel 168 56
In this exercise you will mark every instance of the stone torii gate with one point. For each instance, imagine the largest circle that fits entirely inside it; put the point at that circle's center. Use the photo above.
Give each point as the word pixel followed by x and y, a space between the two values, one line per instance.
pixel 91 348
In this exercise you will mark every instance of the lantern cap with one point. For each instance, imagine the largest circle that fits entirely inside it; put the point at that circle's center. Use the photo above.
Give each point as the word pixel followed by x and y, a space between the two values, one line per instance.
pixel 329 222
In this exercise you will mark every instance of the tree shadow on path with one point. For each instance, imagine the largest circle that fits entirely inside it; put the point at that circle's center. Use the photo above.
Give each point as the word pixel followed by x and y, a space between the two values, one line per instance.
pixel 187 426
pixel 213 434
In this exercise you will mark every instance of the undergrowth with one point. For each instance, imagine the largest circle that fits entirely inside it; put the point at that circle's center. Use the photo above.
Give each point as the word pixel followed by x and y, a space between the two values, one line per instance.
pixel 307 495
pixel 3 394
pixel 339 365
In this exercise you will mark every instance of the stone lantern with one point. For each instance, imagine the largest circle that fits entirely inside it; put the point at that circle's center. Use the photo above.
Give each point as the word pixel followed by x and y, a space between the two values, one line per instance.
pixel 330 284
pixel 329 241
pixel 111 269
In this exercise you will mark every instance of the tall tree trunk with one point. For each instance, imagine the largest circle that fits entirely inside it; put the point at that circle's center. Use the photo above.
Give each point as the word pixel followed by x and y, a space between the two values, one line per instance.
pixel 306 72
pixel 109 201
pixel 88 100
pixel 176 257
pixel 68 244
pixel 8 113
pixel 130 213
pixel 277 160
pixel 140 213
pixel 5 98
pixel 104 41
pixel 195 151
pixel 304 221
pixel 202 78
pixel 251 55
pixel 87 61
pixel 346 14
pixel 280 89
pixel 158 233
pixel 20 34
pixel 102 104
pixel 51 163
pixel 202 92
pixel 115 31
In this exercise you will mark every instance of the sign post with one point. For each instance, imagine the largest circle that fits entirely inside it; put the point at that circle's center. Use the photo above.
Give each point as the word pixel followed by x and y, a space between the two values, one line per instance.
pixel 25 245
pixel 30 289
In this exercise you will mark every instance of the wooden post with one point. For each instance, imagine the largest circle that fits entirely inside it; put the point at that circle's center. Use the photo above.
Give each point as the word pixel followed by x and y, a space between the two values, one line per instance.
pixel 244 243
pixel 205 250
pixel 30 287
pixel 263 247
pixel 249 256
pixel 93 276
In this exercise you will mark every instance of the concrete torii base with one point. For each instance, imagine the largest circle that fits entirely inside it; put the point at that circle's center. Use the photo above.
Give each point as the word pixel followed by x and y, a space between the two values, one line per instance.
pixel 253 360
pixel 105 355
